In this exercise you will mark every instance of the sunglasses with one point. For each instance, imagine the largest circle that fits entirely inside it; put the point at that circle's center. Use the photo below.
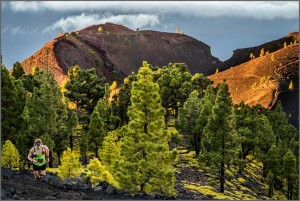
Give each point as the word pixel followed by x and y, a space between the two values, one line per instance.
pixel 37 143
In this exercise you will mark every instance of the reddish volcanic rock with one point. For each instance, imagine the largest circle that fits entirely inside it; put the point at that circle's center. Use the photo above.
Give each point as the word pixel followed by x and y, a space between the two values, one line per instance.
pixel 116 51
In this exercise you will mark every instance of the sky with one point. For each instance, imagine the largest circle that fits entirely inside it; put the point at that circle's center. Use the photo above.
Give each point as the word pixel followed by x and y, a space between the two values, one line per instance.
pixel 224 26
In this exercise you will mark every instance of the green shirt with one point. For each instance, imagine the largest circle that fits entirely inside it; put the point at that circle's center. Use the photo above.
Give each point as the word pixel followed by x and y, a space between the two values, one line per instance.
pixel 40 157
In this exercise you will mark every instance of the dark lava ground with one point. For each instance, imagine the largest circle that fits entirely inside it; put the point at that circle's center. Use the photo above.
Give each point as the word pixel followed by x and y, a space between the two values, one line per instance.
pixel 21 185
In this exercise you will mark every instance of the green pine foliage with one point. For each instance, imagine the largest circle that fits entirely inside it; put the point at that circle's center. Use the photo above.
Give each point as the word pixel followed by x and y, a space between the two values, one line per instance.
pixel 146 162
pixel 9 155
pixel 207 103
pixel 187 118
pixel 266 139
pixel 279 122
pixel 220 131
pixel 84 88
pixel 272 166
pixel 175 86
pixel 121 101
pixel 110 151
pixel 102 121
pixel 289 172
pixel 200 83
pixel 70 166
pixel 96 131
pixel 98 173
pixel 18 70
pixel 11 107
pixel 246 127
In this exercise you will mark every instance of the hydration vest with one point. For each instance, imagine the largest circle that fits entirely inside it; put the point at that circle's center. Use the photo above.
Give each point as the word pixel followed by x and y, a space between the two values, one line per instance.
pixel 39 155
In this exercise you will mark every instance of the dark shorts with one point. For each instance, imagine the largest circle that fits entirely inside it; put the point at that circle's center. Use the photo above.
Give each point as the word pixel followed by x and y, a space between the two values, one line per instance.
pixel 36 168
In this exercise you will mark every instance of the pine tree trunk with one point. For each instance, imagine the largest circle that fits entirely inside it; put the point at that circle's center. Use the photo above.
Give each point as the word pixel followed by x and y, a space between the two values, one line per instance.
pixel 96 153
pixel 289 188
pixel 222 180
pixel 85 158
pixel 196 145
pixel 71 142
pixel 58 156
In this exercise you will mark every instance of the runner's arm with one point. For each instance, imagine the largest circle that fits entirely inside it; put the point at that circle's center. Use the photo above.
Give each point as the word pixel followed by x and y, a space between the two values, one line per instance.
pixel 30 154
pixel 47 154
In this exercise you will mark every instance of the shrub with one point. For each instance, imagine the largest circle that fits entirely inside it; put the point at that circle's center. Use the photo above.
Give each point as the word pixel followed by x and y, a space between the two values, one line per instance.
pixel 10 155
pixel 98 173
pixel 70 166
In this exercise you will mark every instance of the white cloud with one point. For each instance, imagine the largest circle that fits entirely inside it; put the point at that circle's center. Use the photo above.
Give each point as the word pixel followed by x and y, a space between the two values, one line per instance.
pixel 13 30
pixel 72 23
pixel 252 9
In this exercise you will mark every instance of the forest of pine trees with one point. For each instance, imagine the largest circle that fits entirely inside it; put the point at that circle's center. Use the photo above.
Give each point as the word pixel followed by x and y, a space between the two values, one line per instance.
pixel 128 135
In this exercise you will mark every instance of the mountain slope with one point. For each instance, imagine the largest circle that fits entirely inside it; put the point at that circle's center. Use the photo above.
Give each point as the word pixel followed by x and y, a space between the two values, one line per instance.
pixel 116 51
pixel 243 55
pixel 265 81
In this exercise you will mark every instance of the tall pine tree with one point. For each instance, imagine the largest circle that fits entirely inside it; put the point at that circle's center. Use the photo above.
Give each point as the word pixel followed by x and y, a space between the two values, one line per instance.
pixel 11 107
pixel 220 130
pixel 289 170
pixel 146 162
pixel 207 103
pixel 187 118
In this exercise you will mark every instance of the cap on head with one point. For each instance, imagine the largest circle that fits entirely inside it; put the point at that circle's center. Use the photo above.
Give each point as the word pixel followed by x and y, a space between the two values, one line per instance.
pixel 38 141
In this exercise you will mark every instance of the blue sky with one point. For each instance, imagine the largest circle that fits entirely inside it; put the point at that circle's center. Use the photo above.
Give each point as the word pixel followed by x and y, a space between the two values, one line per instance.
pixel 224 26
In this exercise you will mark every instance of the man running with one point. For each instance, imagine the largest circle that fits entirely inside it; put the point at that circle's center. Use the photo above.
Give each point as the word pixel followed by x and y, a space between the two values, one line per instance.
pixel 39 155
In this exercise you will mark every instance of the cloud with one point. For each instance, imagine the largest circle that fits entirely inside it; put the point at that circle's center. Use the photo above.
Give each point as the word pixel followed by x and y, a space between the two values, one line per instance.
pixel 253 9
pixel 13 30
pixel 72 23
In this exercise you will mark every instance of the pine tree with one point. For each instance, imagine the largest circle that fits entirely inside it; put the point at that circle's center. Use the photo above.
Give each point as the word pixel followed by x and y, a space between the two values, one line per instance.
pixel 217 71
pixel 291 86
pixel 18 70
pixel 272 166
pixel 110 151
pixel 11 108
pixel 289 170
pixel 262 52
pixel 221 133
pixel 98 173
pixel 121 101
pixel 9 155
pixel 207 103
pixel 146 162
pixel 246 121
pixel 273 57
pixel 70 166
pixel 200 83
pixel 102 121
pixel 96 131
pixel 284 45
pixel 175 86
pixel 84 88
pixel 279 122
pixel 21 142
pixel 266 139
pixel 186 121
